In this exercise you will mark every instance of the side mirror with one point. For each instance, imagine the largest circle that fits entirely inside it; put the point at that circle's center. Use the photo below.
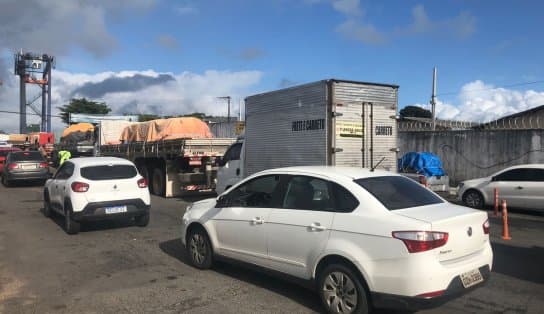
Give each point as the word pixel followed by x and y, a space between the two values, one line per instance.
pixel 220 202
pixel 493 178
pixel 221 161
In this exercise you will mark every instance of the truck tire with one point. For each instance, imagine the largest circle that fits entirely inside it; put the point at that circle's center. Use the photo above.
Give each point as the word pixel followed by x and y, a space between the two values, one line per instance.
pixel 158 182
pixel 144 172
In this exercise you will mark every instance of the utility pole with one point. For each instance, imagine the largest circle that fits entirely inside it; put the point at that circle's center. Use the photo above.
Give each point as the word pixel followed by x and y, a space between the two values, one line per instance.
pixel 228 102
pixel 433 100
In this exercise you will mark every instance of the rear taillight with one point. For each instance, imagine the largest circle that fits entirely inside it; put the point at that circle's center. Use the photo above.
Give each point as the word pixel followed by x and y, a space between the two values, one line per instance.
pixel 420 241
pixel 80 187
pixel 486 227
pixel 430 295
pixel 423 180
pixel 43 165
pixel 13 166
pixel 142 183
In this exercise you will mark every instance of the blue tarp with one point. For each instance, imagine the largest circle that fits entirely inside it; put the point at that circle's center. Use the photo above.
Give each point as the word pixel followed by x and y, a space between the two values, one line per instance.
pixel 424 163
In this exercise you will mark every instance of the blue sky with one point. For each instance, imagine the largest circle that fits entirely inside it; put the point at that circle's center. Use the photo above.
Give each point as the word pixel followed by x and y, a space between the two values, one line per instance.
pixel 478 45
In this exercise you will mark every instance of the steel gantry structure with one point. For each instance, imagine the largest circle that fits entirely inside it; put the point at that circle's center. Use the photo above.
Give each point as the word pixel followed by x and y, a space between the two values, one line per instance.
pixel 34 68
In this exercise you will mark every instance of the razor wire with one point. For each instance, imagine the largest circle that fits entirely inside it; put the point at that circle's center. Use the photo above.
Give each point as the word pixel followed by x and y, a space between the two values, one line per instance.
pixel 511 123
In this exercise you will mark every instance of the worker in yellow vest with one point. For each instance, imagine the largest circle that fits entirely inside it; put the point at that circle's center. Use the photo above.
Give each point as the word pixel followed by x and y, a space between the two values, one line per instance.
pixel 64 155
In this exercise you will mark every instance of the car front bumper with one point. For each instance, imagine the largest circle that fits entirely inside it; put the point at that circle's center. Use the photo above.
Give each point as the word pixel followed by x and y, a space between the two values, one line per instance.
pixel 405 303
pixel 97 210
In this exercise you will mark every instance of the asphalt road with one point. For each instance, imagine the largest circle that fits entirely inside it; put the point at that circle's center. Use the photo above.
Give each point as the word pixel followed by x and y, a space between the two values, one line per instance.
pixel 115 267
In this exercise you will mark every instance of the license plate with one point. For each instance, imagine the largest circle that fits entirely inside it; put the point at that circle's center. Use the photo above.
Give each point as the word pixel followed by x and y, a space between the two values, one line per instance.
pixel 471 278
pixel 29 167
pixel 115 209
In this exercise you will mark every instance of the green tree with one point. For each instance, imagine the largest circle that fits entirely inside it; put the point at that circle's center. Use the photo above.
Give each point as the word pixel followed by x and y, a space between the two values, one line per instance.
pixel 415 111
pixel 33 128
pixel 82 105
pixel 147 117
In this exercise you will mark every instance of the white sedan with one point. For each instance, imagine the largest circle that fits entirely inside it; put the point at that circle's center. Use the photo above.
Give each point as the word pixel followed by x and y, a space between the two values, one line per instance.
pixel 365 238
pixel 521 186
pixel 97 188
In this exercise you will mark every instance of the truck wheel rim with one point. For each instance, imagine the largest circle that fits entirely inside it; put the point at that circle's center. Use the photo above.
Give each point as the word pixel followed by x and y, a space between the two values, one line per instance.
pixel 340 293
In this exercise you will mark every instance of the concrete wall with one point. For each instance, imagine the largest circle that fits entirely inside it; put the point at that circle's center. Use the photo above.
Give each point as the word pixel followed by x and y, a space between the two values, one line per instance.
pixel 473 154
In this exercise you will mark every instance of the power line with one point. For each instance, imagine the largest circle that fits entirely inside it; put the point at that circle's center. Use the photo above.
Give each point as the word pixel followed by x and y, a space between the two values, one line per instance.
pixel 491 88
pixel 28 113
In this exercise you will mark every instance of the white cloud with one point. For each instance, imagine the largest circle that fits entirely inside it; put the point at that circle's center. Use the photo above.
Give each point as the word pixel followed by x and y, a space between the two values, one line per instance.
pixel 348 7
pixel 461 26
pixel 365 33
pixel 186 10
pixel 358 26
pixel 481 102
pixel 168 41
pixel 187 92
pixel 55 27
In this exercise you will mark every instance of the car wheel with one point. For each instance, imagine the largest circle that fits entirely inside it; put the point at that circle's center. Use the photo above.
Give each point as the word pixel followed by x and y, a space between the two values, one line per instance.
pixel 5 182
pixel 142 221
pixel 341 291
pixel 199 249
pixel 46 205
pixel 70 226
pixel 473 198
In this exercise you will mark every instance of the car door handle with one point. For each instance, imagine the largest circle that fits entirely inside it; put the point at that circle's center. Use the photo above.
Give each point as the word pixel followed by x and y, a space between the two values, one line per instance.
pixel 316 226
pixel 257 221
pixel 519 188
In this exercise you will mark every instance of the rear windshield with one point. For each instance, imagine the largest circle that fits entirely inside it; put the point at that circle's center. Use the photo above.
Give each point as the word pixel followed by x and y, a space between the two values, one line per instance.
pixel 4 153
pixel 397 192
pixel 26 156
pixel 109 172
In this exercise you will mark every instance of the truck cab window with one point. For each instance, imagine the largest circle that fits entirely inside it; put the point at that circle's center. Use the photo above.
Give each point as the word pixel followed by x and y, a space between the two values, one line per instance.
pixel 233 153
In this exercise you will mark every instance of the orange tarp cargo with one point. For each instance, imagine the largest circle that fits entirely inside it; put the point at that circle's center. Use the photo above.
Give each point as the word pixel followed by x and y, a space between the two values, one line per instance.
pixel 81 127
pixel 17 138
pixel 166 129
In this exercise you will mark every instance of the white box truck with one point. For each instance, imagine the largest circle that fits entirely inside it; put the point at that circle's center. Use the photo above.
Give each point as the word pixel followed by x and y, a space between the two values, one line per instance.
pixel 329 122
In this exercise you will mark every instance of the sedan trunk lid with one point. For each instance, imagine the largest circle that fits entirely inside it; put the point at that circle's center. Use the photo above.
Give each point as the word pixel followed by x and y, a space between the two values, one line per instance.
pixel 464 227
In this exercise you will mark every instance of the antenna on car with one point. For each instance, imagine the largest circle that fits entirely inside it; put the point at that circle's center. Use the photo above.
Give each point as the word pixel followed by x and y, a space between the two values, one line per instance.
pixel 379 162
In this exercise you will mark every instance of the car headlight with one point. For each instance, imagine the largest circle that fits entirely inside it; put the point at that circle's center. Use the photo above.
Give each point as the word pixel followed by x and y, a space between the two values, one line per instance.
pixel 189 207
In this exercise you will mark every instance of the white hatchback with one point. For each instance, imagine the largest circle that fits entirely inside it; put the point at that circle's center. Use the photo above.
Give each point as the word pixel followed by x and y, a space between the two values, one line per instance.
pixel 97 188
pixel 365 238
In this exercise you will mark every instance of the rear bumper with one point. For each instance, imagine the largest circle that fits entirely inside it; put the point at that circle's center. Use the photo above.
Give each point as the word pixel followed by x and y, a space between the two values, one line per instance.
pixel 97 210
pixel 454 290
pixel 34 175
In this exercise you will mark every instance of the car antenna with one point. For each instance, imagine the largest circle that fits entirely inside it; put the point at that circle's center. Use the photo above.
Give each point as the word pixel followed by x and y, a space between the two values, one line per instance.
pixel 379 162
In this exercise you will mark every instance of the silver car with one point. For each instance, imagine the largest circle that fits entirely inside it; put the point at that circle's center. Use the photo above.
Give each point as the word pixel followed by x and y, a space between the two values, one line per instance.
pixel 521 186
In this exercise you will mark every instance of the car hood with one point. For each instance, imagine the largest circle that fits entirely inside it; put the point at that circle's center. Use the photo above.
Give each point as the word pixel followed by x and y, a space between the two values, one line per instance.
pixel 204 204
pixel 476 182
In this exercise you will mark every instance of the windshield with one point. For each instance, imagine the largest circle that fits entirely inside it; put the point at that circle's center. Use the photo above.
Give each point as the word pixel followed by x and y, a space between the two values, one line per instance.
pixel 26 156
pixel 397 192
pixel 109 172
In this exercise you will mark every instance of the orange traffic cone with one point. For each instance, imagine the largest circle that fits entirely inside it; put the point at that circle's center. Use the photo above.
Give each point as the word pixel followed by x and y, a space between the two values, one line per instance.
pixel 505 231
